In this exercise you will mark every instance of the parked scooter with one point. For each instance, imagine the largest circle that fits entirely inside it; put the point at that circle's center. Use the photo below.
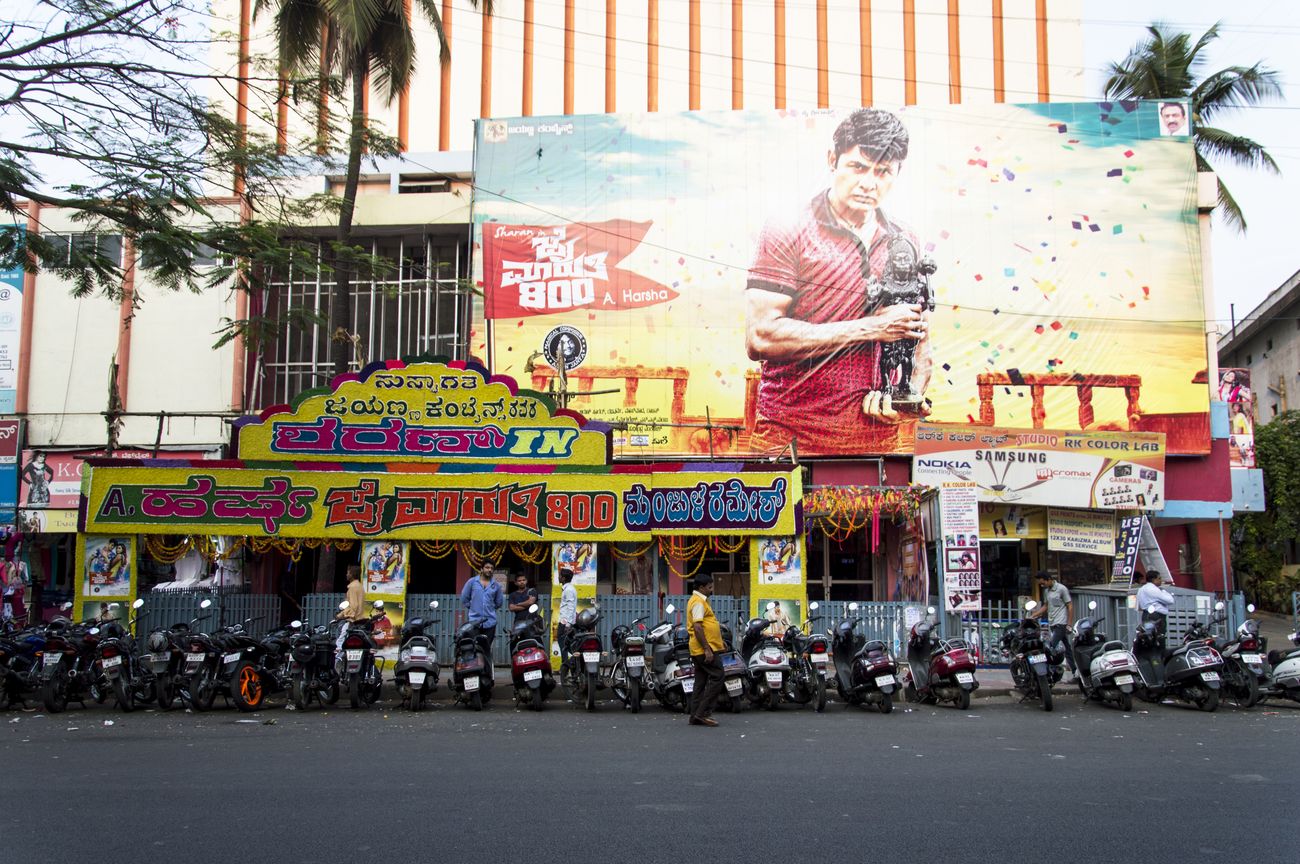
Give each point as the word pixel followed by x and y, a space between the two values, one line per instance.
pixel 530 665
pixel 627 677
pixel 580 672
pixel 769 667
pixel 1106 671
pixel 1190 673
pixel 672 672
pixel 1033 668
pixel 416 672
pixel 1284 665
pixel 1243 662
pixel 809 656
pixel 472 676
pixel 865 671
pixel 938 670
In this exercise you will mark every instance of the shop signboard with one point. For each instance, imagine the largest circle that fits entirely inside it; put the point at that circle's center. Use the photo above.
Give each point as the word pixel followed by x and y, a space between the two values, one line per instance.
pixel 1054 467
pixel 11 328
pixel 1126 548
pixel 671 248
pixel 11 433
pixel 1087 531
pixel 609 505
pixel 959 515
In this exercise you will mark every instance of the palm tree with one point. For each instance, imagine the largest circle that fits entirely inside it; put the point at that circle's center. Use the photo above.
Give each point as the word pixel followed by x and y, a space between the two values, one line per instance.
pixel 355 39
pixel 1168 65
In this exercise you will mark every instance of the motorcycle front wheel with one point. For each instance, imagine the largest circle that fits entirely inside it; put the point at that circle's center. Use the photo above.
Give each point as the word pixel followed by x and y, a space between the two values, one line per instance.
pixel 54 693
pixel 819 701
pixel 592 679
pixel 247 690
pixel 1045 691
pixel 203 691
pixel 298 693
pixel 634 695
pixel 122 695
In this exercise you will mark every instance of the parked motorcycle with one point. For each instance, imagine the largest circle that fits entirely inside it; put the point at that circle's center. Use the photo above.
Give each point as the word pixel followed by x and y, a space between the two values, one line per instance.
pixel 938 670
pixel 1105 670
pixel 416 672
pixel 765 657
pixel 1033 668
pixel 1190 673
pixel 865 671
pixel 1243 662
pixel 121 672
pixel 627 675
pixel 472 677
pixel 672 673
pixel 580 672
pixel 166 649
pixel 1284 664
pixel 69 664
pixel 313 673
pixel 809 656
pixel 361 673
pixel 530 665
pixel 20 656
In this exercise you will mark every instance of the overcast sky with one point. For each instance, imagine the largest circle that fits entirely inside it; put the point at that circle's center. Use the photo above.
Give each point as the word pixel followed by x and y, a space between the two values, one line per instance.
pixel 1246 268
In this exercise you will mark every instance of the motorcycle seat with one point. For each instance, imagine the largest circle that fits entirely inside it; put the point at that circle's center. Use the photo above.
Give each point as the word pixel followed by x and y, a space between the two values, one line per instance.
pixel 1279 655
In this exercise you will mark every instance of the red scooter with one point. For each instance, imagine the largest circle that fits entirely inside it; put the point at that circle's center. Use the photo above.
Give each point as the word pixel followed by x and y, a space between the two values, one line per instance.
pixel 938 670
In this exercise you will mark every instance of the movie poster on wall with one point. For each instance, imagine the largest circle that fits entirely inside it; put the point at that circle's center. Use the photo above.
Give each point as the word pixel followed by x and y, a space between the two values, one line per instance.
pixel 108 566
pixel 671 248
pixel 779 561
pixel 385 563
pixel 1235 390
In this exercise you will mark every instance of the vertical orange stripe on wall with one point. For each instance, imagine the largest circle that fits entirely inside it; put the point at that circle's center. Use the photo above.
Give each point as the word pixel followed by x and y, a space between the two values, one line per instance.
pixel 737 54
pixel 954 52
pixel 778 53
pixel 404 101
pixel 693 88
pixel 611 55
pixel 652 56
pixel 568 56
pixel 823 58
pixel 485 68
pixel 1040 21
pixel 444 85
pixel 864 56
pixel 999 71
pixel 241 91
pixel 526 96
pixel 909 52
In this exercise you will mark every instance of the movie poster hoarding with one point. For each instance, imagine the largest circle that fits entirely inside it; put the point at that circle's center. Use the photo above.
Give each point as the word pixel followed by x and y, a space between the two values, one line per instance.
pixel 959 513
pixel 742 280
pixel 1085 470
pixel 1235 390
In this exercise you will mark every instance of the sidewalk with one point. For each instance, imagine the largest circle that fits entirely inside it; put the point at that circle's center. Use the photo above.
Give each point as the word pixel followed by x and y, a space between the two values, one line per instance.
pixel 994 681
pixel 1275 628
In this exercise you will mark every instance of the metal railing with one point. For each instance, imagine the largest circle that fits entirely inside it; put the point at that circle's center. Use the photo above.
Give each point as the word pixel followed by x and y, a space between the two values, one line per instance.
pixel 165 608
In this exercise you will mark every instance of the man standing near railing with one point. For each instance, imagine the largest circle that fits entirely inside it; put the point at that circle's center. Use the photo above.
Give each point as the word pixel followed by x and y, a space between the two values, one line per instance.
pixel 1060 611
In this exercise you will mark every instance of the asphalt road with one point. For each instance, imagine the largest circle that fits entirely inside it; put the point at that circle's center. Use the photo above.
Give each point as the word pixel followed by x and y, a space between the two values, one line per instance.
pixel 999 782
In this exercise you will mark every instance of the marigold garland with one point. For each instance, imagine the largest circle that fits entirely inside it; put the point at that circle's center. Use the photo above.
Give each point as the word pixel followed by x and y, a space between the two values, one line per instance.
pixel 720 545
pixel 629 556
pixel 531 552
pixel 842 511
pixel 699 546
pixel 435 548
pixel 493 555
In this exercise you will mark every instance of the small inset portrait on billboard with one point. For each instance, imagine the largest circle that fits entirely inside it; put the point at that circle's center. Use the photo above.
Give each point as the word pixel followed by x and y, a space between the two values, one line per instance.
pixel 1242 422
pixel 1173 118
pixel 999 528
pixel 36 477
pixel 782 613
pixel 565 345
pixel 1234 386
pixel 842 335
pixel 1141 500
pixel 495 131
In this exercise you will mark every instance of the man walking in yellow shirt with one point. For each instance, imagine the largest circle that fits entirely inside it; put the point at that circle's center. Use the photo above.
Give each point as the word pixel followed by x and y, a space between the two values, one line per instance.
pixel 706 651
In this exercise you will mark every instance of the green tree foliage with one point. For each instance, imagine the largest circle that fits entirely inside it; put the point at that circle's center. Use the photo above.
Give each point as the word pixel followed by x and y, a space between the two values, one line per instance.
pixel 1168 65
pixel 1260 539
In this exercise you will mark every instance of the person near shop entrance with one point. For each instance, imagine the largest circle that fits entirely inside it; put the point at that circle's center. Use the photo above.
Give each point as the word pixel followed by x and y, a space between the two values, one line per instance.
pixel 1059 608
pixel 482 599
pixel 568 611
pixel 356 604
pixel 706 651
pixel 1155 601
pixel 521 598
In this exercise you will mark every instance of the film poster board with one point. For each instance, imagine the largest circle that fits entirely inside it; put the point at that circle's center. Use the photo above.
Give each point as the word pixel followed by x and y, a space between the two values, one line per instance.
pixel 106 572
pixel 960 518
pixel 777 578
pixel 581 558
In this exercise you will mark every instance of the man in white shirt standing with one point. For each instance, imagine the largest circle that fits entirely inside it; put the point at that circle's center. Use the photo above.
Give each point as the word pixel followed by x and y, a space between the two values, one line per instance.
pixel 568 611
pixel 1154 601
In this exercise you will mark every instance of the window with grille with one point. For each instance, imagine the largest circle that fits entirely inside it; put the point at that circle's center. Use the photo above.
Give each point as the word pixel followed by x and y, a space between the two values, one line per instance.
pixel 417 308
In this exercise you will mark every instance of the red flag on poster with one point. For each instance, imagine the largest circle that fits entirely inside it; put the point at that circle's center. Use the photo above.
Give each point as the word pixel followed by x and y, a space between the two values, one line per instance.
pixel 544 269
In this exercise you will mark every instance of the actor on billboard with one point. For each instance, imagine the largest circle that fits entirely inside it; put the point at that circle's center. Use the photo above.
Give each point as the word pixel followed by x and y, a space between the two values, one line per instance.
pixel 838 306
pixel 1173 118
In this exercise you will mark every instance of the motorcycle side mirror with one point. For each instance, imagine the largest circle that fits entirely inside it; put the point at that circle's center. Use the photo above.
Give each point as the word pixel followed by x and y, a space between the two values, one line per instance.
pixel 295 624
pixel 433 604
pixel 114 606
pixel 1151 609
pixel 205 604
pixel 770 606
pixel 1031 605
pixel 65 607
pixel 853 607
pixel 532 608
pixel 670 609
pixel 813 606
pixel 137 604
pixel 378 604
pixel 94 631
pixel 1092 604
pixel 1250 607
pixel 1218 607
pixel 929 610
pixel 344 605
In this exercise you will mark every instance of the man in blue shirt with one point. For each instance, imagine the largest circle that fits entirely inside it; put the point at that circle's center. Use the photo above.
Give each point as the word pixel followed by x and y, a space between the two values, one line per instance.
pixel 482 598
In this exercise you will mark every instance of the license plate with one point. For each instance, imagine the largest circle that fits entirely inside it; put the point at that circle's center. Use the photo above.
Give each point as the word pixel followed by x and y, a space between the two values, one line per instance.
pixel 354 655
pixel 471 684
pixel 111 662
pixel 774 679
pixel 419 651
pixel 1251 658
pixel 881 680
pixel 820 658
pixel 590 656
pixel 1037 658
pixel 533 675
pixel 1123 679
pixel 688 685
pixel 735 685
pixel 636 660
pixel 194 658
pixel 416 679
pixel 1210 676
pixel 965 678
pixel 52 660
pixel 230 658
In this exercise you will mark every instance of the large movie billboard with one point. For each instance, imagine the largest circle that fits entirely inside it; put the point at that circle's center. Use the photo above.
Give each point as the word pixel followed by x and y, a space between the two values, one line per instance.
pixel 740 280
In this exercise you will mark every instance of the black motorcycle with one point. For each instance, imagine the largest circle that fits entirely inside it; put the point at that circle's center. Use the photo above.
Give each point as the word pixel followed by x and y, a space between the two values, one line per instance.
pixel 121 672
pixel 472 676
pixel 165 656
pixel 627 675
pixel 1033 668
pixel 580 672
pixel 1243 660
pixel 809 655
pixel 69 670
pixel 361 674
pixel 313 675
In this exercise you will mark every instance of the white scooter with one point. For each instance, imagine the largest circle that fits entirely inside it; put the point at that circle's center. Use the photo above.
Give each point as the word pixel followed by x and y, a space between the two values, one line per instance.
pixel 768 664
pixel 1107 671
pixel 1286 672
